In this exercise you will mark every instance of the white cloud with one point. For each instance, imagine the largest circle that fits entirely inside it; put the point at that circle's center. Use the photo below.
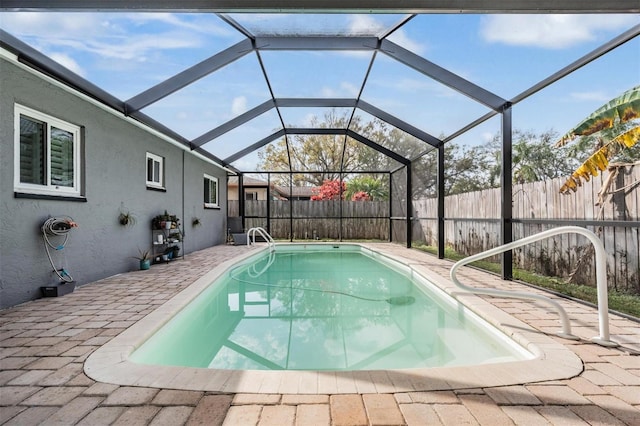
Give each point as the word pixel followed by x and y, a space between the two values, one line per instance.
pixel 68 63
pixel 550 31
pixel 109 35
pixel 364 24
pixel 346 90
pixel 238 105
pixel 591 96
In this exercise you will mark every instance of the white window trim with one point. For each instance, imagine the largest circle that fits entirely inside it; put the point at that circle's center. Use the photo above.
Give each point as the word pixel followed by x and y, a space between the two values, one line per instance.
pixel 160 160
pixel 217 204
pixel 47 189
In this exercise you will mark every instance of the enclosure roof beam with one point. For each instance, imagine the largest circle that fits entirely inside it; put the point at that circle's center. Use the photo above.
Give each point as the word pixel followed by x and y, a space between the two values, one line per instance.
pixel 326 6
pixel 316 102
pixel 316 43
pixel 470 126
pixel 233 123
pixel 316 131
pixel 34 59
pixel 189 75
pixel 356 136
pixel 402 125
pixel 442 75
pixel 579 63
pixel 371 144
pixel 255 146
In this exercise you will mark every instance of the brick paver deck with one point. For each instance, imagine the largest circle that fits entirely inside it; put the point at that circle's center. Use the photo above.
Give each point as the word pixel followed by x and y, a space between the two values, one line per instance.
pixel 43 345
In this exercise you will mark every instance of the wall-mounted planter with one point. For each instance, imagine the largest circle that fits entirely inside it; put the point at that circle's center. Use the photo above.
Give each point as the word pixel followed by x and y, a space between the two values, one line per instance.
pixel 58 290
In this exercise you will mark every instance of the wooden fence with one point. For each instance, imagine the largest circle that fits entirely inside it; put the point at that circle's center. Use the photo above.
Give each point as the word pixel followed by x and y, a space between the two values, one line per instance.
pixel 472 225
pixel 319 219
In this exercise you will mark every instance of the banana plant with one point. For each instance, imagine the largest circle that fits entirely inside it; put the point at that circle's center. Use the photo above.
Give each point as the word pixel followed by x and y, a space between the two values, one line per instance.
pixel 623 109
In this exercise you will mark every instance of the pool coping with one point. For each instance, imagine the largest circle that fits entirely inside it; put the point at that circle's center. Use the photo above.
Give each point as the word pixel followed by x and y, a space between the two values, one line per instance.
pixel 553 361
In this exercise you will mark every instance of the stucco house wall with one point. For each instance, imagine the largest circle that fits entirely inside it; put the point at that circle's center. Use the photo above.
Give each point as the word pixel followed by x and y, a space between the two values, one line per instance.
pixel 114 180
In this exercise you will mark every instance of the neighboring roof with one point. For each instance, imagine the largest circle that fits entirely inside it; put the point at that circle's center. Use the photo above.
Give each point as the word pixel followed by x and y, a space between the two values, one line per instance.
pixel 247 181
pixel 297 191
pixel 284 191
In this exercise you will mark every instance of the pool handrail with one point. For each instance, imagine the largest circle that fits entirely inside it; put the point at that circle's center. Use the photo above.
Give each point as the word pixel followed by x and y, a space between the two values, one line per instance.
pixel 263 233
pixel 601 280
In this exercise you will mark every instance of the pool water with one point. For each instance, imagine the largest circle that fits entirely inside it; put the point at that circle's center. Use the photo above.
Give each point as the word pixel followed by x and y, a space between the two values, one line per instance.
pixel 335 308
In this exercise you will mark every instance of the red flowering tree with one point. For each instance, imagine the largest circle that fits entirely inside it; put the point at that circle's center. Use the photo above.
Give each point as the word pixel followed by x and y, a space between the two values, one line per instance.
pixel 329 190
pixel 360 196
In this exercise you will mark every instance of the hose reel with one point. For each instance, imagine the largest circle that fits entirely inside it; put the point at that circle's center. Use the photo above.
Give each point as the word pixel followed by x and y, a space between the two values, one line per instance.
pixel 56 230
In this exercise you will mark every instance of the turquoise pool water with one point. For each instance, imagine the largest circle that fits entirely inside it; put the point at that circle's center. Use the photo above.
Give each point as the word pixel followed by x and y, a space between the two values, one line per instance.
pixel 323 308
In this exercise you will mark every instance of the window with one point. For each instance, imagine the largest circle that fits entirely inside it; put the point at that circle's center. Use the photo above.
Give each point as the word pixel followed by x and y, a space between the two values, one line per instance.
pixel 155 171
pixel 47 154
pixel 251 195
pixel 210 191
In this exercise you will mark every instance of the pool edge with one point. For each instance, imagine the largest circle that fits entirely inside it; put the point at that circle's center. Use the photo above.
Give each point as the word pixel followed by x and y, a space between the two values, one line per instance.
pixel 553 361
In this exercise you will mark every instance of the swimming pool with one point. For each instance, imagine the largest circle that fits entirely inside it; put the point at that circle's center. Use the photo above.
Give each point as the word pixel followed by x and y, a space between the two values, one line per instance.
pixel 111 362
pixel 324 307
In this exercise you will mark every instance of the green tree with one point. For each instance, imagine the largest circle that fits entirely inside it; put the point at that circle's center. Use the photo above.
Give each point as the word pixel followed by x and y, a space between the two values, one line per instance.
pixel 375 188
pixel 465 171
pixel 322 155
pixel 533 158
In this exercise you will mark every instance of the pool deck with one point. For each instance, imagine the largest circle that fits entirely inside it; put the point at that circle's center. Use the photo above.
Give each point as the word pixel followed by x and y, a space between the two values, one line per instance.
pixel 44 346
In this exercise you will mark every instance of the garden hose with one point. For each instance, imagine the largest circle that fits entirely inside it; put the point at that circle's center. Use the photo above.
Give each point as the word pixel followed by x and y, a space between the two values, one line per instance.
pixel 57 227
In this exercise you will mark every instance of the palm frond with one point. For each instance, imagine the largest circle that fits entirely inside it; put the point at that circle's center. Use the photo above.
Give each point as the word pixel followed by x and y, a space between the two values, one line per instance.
pixel 599 160
pixel 619 110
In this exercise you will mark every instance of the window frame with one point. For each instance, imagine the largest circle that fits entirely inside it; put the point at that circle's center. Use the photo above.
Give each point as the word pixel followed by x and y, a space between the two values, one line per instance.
pixel 207 203
pixel 152 184
pixel 49 122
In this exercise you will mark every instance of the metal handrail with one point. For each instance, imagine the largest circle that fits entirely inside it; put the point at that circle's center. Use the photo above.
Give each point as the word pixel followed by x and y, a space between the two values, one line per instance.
pixel 263 233
pixel 601 280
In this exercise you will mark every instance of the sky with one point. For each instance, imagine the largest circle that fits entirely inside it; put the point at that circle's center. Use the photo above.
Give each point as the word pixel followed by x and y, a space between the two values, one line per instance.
pixel 127 53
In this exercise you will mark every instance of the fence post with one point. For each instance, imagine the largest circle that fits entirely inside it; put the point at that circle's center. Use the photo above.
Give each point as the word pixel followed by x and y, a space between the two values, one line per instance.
pixel 440 192
pixel 506 180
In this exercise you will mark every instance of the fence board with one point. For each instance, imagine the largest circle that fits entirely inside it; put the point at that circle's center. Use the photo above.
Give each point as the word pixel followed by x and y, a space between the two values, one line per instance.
pixel 541 200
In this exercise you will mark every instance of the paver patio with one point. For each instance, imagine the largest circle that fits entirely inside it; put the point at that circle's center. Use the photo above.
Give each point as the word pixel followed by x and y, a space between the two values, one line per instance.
pixel 44 343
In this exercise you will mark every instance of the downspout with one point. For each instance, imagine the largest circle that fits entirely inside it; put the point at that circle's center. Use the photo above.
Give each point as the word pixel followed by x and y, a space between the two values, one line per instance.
pixel 184 219
pixel 409 206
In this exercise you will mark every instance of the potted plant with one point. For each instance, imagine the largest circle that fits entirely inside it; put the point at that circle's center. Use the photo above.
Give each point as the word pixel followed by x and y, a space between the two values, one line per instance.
pixel 126 219
pixel 160 221
pixel 144 258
